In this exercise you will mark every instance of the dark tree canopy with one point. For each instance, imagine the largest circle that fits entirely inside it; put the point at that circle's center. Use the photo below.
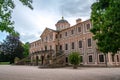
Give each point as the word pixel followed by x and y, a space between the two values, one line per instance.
pixel 105 18
pixel 6 8
pixel 12 46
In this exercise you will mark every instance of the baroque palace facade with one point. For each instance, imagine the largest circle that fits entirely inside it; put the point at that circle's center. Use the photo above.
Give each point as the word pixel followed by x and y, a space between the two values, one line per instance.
pixel 55 45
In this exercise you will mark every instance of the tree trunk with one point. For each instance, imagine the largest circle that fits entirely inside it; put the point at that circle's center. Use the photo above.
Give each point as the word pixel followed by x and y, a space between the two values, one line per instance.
pixel 106 60
pixel 75 66
pixel 11 59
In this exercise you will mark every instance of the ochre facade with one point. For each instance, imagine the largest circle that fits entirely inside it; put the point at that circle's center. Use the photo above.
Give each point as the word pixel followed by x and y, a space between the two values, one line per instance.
pixel 66 39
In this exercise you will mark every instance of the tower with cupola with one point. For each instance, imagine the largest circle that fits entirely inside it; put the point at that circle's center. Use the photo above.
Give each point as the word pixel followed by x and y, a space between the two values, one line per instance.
pixel 62 24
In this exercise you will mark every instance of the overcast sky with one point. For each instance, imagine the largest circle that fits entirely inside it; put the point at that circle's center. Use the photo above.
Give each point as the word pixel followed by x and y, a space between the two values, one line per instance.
pixel 31 23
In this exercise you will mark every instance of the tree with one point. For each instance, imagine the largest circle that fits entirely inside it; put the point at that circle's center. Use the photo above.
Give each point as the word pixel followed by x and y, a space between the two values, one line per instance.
pixel 4 57
pixel 6 9
pixel 105 18
pixel 74 59
pixel 12 46
pixel 26 49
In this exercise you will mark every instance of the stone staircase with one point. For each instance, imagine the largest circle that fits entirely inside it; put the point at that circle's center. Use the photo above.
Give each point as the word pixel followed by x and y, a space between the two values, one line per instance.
pixel 56 62
pixel 24 61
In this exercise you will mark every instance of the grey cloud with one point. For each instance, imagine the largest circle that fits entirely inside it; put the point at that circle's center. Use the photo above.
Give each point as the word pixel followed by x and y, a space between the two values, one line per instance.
pixel 29 37
pixel 50 5
pixel 76 7
pixel 24 24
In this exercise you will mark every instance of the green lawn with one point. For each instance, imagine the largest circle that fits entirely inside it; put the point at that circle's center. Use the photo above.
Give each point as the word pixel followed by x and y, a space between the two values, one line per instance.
pixel 4 63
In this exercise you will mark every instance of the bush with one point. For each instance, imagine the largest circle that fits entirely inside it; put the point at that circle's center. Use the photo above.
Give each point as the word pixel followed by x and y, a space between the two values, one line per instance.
pixel 16 59
pixel 74 59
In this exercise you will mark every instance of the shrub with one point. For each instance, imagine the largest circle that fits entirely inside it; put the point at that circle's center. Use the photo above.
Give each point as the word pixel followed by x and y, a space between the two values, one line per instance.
pixel 74 59
pixel 16 59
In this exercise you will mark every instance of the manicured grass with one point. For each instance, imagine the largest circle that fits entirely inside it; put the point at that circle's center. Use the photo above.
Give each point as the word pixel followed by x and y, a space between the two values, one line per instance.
pixel 4 63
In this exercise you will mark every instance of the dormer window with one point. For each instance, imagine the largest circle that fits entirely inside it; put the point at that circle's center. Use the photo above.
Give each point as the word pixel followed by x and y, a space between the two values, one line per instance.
pixel 62 26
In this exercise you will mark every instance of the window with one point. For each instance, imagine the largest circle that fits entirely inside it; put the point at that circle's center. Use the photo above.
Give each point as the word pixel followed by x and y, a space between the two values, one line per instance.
pixel 113 58
pixel 81 58
pixel 46 38
pixel 50 47
pixel 72 45
pixel 80 44
pixel 60 35
pixel 34 44
pixel 90 58
pixel 56 36
pixel 56 47
pixel 101 58
pixel 89 42
pixel 62 26
pixel 66 46
pixel 66 59
pixel 48 56
pixel 72 31
pixel 60 47
pixel 117 58
pixel 51 37
pixel 65 33
pixel 88 26
pixel 79 29
pixel 45 47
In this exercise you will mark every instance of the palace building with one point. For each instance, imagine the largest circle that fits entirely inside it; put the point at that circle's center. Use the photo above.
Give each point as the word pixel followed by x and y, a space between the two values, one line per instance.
pixel 54 46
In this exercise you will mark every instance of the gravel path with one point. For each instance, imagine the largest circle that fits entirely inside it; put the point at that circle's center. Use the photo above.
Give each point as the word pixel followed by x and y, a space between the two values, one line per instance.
pixel 8 72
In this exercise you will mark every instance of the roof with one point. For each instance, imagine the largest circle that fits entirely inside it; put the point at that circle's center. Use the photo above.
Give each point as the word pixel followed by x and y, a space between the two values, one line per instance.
pixel 75 25
pixel 46 30
pixel 62 20
pixel 52 29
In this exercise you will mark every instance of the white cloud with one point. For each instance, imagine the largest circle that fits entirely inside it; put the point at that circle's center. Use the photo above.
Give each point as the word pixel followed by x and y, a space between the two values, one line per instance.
pixel 31 23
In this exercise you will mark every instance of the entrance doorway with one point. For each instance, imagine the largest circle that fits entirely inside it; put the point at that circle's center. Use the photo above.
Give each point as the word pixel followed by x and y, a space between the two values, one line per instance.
pixel 37 58
pixel 42 59
pixel 66 60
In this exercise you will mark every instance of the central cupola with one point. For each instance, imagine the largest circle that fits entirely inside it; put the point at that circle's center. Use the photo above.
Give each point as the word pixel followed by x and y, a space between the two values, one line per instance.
pixel 62 24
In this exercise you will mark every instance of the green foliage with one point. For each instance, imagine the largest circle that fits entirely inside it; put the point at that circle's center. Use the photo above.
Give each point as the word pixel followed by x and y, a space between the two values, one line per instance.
pixel 16 59
pixel 105 18
pixel 4 57
pixel 74 58
pixel 27 3
pixel 27 60
pixel 26 49
pixel 4 63
pixel 6 9
pixel 81 59
pixel 12 47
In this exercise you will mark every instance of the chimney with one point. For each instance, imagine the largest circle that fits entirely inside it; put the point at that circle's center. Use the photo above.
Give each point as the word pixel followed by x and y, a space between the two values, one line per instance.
pixel 78 20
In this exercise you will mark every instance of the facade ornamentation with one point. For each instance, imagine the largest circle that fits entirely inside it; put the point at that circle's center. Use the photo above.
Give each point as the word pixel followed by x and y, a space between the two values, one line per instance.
pixel 58 44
